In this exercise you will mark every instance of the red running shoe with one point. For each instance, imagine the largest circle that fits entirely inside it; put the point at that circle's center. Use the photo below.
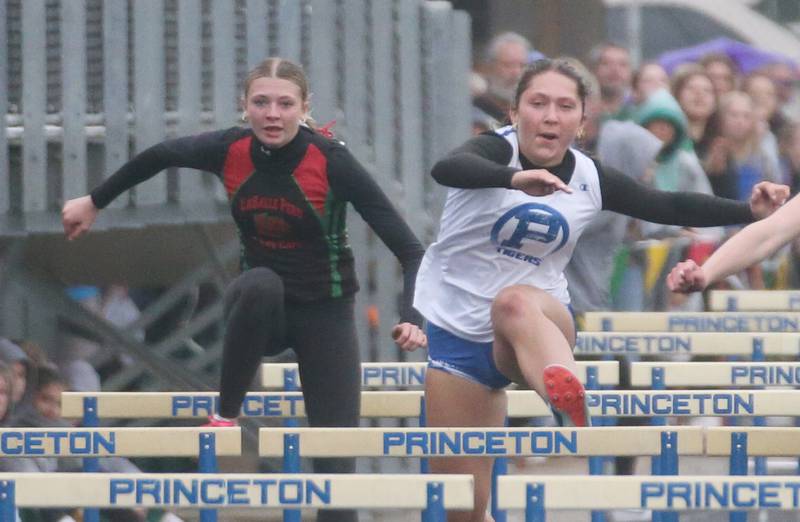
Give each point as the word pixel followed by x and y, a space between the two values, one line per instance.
pixel 215 421
pixel 567 396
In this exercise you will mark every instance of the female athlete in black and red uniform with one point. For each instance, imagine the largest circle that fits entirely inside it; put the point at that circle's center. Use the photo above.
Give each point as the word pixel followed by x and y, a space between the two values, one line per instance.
pixel 288 187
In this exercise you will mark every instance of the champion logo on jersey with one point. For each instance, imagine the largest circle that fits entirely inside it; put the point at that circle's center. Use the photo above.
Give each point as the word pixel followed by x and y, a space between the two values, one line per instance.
pixel 529 232
pixel 584 187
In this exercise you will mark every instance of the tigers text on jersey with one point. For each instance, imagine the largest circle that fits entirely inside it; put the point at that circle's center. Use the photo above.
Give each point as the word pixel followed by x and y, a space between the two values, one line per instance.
pixel 493 238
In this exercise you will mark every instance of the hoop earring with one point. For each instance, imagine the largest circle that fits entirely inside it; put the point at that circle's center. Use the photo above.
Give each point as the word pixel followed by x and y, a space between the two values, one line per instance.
pixel 244 116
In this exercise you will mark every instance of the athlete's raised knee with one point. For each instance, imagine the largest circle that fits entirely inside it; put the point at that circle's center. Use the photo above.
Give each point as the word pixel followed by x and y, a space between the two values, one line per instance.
pixel 515 301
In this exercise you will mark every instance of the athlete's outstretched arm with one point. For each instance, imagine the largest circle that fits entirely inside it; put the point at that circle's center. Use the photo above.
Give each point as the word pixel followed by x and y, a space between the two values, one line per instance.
pixel 352 182
pixel 626 196
pixel 755 242
pixel 202 152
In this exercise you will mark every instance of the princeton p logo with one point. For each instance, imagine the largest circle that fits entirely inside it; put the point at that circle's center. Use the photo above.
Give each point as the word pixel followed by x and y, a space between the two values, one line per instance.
pixel 530 231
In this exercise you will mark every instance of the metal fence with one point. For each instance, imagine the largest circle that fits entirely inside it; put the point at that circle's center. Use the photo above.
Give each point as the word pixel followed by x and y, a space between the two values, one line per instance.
pixel 85 84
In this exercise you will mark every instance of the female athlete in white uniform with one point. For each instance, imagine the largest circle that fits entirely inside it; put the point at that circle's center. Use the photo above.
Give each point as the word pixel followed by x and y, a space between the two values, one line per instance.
pixel 492 286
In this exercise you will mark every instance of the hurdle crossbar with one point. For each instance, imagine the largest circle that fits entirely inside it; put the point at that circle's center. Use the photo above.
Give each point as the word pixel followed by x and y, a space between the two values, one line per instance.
pixel 688 343
pixel 202 490
pixel 754 300
pixel 764 441
pixel 605 403
pixel 730 374
pixel 469 442
pixel 392 375
pixel 536 494
pixel 124 442
pixel 692 322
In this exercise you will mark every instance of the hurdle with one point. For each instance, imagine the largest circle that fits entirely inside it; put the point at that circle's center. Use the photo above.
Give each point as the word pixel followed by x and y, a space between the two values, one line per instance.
pixel 93 443
pixel 663 445
pixel 666 344
pixel 204 443
pixel 537 494
pixel 742 442
pixel 521 403
pixel 434 494
pixel 692 322
pixel 711 374
pixel 754 300
pixel 412 375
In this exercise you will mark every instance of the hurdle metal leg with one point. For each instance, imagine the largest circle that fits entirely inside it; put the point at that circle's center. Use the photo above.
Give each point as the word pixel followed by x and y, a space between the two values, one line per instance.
pixel 434 511
pixel 207 463
pixel 596 464
pixel 90 419
pixel 534 503
pixel 7 504
pixel 499 469
pixel 738 466
pixel 291 443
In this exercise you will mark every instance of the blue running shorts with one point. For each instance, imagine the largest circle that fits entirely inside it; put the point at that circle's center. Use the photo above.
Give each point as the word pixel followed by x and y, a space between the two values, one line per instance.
pixel 463 358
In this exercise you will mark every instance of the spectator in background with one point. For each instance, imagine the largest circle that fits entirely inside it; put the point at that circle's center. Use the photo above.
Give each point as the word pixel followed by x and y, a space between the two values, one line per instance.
pixel 741 161
pixel 5 404
pixel 762 90
pixel 647 79
pixel 749 162
pixel 723 72
pixel 784 76
pixel 6 391
pixel 506 57
pixel 23 373
pixel 789 148
pixel 611 65
pixel 481 121
pixel 677 169
pixel 694 90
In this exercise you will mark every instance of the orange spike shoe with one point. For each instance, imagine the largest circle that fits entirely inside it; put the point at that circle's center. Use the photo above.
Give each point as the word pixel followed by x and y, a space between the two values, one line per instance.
pixel 567 396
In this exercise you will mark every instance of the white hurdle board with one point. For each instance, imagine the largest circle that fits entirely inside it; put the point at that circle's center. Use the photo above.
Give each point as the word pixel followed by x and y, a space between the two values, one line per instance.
pixel 754 300
pixel 124 442
pixel 605 403
pixel 235 490
pixel 692 322
pixel 717 373
pixel 687 343
pixel 765 441
pixel 470 442
pixel 399 374
pixel 678 493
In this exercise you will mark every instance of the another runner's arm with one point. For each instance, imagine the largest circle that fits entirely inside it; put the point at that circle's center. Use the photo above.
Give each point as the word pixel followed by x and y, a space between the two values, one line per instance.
pixel 481 162
pixel 351 181
pixel 202 152
pixel 624 195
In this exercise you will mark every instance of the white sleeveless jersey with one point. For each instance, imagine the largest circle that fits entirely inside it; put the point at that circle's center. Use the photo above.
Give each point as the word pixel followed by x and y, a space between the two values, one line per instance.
pixel 493 238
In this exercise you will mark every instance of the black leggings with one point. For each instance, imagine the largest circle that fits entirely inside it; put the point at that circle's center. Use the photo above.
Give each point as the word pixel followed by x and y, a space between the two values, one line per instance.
pixel 260 322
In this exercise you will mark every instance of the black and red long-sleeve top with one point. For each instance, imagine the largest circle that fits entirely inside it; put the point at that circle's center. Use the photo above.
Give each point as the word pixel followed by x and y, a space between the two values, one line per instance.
pixel 289 205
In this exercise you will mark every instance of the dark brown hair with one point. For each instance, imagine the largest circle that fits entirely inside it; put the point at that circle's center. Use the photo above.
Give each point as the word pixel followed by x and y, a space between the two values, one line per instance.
pixel 546 65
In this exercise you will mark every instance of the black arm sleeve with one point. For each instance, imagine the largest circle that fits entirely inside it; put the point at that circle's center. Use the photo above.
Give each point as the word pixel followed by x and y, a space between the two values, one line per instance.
pixel 202 152
pixel 351 181
pixel 624 195
pixel 481 162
